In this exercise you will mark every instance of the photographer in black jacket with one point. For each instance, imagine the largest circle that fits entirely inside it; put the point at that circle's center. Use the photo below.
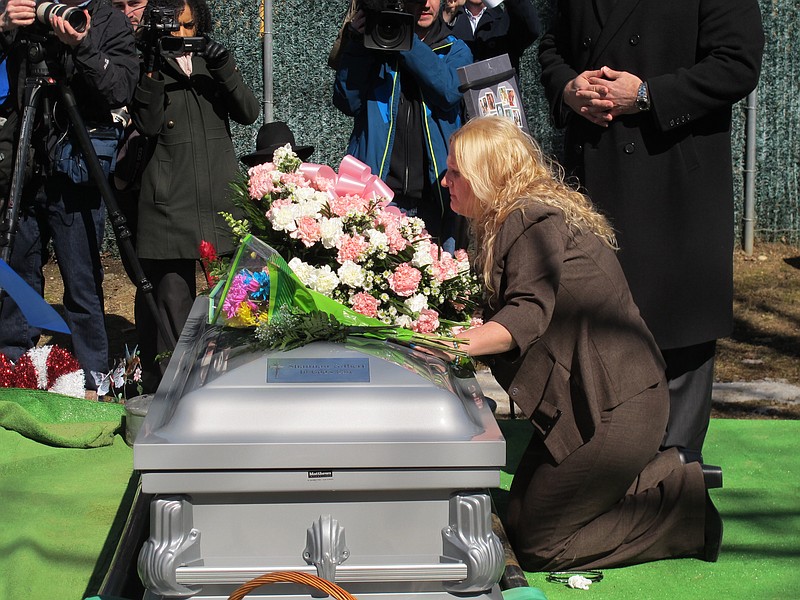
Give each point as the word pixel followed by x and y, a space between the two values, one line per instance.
pixel 100 65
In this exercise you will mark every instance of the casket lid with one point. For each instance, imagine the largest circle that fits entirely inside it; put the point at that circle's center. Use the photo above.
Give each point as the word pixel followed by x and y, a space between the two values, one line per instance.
pixel 325 405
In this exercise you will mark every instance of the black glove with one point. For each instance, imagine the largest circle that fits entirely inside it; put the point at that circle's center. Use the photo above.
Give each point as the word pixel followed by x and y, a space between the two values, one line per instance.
pixel 215 54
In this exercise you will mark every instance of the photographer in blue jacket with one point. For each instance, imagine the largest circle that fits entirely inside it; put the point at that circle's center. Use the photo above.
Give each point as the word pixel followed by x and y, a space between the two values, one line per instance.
pixel 405 104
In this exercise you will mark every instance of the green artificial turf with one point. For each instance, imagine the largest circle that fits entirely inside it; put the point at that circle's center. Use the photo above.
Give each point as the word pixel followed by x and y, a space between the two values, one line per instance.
pixel 760 507
pixel 58 508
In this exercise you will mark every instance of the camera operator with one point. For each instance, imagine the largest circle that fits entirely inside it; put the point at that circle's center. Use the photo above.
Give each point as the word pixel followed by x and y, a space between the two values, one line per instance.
pixel 98 62
pixel 405 105
pixel 184 103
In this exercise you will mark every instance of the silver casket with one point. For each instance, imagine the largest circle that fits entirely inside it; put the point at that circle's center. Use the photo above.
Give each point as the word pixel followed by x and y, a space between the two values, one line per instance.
pixel 366 465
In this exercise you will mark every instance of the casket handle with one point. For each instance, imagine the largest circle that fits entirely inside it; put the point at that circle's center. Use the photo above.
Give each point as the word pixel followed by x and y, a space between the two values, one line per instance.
pixel 323 585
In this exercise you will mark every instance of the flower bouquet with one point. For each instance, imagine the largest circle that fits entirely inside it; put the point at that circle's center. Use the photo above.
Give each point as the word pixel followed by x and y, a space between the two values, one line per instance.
pixel 263 292
pixel 343 241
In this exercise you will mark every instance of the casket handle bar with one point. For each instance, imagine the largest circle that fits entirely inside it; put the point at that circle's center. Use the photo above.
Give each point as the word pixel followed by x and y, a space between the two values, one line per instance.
pixel 317 583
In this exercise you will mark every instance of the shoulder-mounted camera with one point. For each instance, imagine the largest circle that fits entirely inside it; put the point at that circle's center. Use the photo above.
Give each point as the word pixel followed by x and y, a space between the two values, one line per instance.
pixel 388 26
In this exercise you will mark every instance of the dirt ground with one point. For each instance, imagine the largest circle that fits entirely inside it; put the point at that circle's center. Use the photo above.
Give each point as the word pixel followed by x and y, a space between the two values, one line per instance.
pixel 765 343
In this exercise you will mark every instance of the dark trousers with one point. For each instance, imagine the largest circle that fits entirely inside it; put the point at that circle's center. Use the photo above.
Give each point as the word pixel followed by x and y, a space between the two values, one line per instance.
pixel 73 217
pixel 174 291
pixel 690 375
pixel 615 501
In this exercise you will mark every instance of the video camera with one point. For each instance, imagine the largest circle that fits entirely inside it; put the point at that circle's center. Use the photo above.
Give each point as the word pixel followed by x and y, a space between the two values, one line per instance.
pixel 71 14
pixel 388 26
pixel 159 24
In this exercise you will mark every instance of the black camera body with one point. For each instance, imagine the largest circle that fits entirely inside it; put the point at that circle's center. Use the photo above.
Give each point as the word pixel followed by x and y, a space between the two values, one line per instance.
pixel 388 26
pixel 71 14
pixel 160 24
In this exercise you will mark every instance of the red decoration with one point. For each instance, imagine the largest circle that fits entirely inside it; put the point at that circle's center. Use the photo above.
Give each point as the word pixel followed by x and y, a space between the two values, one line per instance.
pixel 25 373
pixel 59 362
pixel 6 372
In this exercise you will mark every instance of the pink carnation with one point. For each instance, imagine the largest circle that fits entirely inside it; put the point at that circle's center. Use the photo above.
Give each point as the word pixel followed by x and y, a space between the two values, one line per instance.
pixel 323 184
pixel 351 247
pixel 397 243
pixel 405 280
pixel 461 255
pixel 428 321
pixel 260 182
pixel 308 231
pixel 296 178
pixel 341 205
pixel 366 304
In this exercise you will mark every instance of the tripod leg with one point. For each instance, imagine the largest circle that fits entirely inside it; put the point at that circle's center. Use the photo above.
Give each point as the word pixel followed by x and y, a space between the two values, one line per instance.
pixel 11 217
pixel 115 215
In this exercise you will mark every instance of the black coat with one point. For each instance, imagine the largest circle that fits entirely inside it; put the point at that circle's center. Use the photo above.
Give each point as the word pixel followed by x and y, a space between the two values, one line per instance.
pixel 664 176
pixel 186 182
pixel 506 29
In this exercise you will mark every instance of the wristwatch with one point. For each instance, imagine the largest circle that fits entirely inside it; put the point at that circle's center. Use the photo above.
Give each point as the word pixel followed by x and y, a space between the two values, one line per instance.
pixel 643 97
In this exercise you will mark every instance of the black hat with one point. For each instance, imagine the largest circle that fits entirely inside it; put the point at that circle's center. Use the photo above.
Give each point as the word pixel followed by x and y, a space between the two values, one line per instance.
pixel 272 136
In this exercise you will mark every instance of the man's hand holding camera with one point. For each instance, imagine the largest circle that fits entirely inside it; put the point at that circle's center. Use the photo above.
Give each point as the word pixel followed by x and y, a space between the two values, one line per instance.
pixel 66 33
pixel 17 13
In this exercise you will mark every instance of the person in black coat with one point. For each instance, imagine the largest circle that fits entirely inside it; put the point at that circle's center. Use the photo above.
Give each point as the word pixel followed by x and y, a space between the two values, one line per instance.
pixel 100 66
pixel 644 89
pixel 509 28
pixel 184 105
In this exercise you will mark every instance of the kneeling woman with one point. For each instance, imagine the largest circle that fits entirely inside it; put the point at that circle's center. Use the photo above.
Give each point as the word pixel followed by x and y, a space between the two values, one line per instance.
pixel 564 338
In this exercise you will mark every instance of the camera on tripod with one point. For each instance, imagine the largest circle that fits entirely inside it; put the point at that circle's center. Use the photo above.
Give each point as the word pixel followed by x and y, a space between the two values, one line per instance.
pixel 71 14
pixel 160 23
pixel 388 26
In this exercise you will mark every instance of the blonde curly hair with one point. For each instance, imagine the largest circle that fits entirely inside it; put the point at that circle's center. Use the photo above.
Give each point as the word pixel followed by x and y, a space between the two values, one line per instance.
pixel 507 171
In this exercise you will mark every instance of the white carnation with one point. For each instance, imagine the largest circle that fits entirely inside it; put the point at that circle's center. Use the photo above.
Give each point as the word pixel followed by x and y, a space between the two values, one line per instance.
pixel 326 281
pixel 330 231
pixel 404 321
pixel 416 303
pixel 283 218
pixel 351 274
pixel 378 240
pixel 304 271
pixel 422 257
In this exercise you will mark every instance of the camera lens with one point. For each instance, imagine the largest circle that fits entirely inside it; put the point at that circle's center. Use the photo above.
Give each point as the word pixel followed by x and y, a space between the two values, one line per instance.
pixel 71 14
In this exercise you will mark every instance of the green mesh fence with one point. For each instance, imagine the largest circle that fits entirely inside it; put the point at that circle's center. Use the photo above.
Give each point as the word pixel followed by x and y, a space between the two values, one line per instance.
pixel 302 84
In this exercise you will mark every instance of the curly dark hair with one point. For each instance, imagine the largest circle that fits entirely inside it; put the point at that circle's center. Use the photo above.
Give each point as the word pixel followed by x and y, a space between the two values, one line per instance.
pixel 200 12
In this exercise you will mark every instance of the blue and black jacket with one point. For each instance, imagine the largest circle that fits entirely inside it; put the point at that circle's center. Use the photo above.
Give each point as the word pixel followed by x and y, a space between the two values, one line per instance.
pixel 370 86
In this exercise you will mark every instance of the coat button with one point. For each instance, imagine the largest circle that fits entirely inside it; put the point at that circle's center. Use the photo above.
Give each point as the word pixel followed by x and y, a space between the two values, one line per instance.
pixel 587 41
pixel 634 40
pixel 578 149
pixel 630 148
pixel 170 124
pixel 672 122
pixel 514 391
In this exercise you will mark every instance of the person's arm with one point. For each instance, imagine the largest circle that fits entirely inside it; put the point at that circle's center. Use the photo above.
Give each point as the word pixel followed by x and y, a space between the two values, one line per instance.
pixel 731 43
pixel 16 13
pixel 240 101
pixel 532 271
pixel 107 58
pixel 147 110
pixel 354 76
pixel 438 76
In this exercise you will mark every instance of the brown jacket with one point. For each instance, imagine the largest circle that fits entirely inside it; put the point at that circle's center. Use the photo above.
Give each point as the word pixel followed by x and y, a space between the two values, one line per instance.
pixel 583 347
